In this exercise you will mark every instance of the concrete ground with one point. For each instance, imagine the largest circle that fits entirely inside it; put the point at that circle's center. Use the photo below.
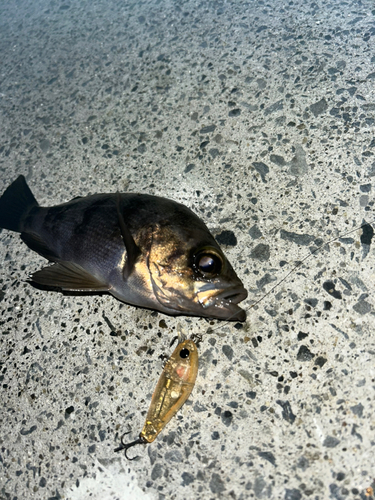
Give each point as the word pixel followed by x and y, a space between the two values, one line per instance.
pixel 258 115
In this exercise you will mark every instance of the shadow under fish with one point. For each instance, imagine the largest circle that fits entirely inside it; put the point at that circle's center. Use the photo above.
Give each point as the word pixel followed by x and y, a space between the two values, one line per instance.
pixel 145 250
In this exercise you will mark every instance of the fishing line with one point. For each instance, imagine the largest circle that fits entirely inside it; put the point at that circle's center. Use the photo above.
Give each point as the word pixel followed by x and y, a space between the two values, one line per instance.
pixel 297 266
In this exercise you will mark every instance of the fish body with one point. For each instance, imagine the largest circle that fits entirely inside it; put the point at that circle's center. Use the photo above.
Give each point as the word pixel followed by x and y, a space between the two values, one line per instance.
pixel 145 250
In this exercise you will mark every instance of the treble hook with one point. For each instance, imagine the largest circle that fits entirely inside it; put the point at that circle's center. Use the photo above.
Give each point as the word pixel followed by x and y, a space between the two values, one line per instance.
pixel 126 446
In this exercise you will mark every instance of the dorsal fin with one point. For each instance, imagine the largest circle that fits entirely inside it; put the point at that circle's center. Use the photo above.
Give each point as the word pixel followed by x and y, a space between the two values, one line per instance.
pixel 132 250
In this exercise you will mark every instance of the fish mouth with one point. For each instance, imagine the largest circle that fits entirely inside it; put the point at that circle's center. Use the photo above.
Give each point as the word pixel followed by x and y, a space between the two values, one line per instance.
pixel 234 296
pixel 223 305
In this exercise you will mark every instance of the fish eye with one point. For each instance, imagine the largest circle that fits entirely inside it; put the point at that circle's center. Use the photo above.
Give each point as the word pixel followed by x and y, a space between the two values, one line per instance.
pixel 208 264
pixel 184 353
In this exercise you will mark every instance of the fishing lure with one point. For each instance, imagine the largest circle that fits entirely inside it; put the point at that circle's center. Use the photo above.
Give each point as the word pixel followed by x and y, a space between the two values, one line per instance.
pixel 172 390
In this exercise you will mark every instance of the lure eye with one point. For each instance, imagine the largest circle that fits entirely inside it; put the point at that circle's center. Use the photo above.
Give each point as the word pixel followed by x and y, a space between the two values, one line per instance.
pixel 208 264
pixel 184 353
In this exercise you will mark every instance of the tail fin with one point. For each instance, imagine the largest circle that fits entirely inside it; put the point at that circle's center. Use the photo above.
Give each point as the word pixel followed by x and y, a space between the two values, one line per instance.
pixel 15 204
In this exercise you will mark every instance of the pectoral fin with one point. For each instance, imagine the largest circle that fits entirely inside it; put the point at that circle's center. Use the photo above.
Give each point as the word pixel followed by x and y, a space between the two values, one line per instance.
pixel 70 277
pixel 132 250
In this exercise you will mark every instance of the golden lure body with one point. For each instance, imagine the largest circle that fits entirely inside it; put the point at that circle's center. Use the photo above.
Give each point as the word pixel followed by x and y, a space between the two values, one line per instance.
pixel 172 390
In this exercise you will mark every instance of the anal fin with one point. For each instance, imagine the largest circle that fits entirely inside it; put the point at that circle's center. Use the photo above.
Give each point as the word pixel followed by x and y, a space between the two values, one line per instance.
pixel 36 243
pixel 69 277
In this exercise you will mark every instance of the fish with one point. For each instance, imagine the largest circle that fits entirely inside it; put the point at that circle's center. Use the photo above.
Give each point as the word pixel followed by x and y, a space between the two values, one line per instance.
pixel 175 385
pixel 147 251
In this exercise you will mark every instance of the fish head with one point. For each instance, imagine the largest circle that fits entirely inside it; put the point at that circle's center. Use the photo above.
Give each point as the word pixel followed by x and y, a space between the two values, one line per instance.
pixel 190 274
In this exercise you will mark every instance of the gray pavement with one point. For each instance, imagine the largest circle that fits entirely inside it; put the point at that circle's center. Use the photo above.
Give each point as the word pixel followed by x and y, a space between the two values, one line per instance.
pixel 260 117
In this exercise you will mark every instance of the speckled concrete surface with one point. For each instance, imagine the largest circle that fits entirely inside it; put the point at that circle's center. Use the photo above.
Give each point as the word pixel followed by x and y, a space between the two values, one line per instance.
pixel 260 117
